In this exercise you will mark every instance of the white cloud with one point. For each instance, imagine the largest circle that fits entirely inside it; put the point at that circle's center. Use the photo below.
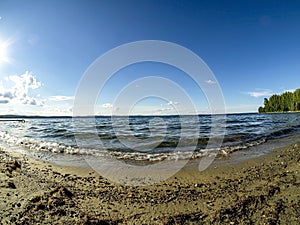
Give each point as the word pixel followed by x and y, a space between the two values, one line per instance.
pixel 173 103
pixel 260 93
pixel 25 81
pixel 30 101
pixel 61 98
pixel 165 109
pixel 19 92
pixel 210 81
pixel 107 105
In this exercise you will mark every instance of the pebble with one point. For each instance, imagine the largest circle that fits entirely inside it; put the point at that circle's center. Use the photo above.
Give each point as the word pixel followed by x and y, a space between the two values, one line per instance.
pixel 10 184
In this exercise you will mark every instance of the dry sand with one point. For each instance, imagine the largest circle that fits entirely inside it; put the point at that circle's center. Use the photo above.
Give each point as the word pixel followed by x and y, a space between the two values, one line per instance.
pixel 265 190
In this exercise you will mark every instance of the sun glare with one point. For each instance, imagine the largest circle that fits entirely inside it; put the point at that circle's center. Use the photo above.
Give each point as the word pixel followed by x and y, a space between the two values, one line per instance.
pixel 4 58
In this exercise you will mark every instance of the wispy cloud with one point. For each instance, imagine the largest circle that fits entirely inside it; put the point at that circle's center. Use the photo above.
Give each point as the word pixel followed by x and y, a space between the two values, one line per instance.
pixel 58 110
pixel 260 93
pixel 241 108
pixel 19 92
pixel 61 98
pixel 107 105
pixel 165 109
pixel 210 82
pixel 173 103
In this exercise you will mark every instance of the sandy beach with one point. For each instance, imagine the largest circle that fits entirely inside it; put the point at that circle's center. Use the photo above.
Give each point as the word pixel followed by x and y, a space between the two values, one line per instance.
pixel 149 112
pixel 263 190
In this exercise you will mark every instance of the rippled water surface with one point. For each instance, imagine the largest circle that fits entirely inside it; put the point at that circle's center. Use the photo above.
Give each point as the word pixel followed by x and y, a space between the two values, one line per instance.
pixel 144 137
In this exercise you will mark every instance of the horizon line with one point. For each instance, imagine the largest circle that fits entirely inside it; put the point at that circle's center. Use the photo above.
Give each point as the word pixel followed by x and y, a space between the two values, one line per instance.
pixel 137 115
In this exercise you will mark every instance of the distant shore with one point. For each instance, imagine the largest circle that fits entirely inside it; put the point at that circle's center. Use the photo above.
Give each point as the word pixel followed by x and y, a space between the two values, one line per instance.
pixel 260 190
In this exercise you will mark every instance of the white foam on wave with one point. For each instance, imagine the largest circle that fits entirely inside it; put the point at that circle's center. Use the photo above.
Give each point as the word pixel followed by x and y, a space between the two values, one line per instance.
pixel 39 146
pixel 33 145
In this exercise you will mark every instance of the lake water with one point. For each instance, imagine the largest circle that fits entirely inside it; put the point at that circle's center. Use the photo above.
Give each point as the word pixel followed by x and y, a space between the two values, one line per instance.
pixel 146 138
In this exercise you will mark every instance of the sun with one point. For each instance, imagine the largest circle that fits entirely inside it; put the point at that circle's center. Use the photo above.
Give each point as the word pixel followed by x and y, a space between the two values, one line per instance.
pixel 4 46
pixel 3 53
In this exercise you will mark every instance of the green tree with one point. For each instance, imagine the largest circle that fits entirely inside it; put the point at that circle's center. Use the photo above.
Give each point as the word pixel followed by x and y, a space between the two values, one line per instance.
pixel 261 109
pixel 288 101
pixel 297 99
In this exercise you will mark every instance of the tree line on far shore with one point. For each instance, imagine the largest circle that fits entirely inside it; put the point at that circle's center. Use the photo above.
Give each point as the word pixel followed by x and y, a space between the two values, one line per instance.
pixel 286 102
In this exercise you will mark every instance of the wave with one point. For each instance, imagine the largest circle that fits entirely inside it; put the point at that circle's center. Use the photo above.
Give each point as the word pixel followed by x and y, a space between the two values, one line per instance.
pixel 285 131
pixel 168 153
pixel 140 142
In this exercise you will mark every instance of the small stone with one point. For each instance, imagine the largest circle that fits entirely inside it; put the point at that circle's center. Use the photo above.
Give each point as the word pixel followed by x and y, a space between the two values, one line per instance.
pixel 11 185
pixel 17 164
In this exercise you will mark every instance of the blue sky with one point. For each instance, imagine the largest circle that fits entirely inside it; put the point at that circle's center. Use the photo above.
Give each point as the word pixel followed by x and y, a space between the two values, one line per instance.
pixel 252 47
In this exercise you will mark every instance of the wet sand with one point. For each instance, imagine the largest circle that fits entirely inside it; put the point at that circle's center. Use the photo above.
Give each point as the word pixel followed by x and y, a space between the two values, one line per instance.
pixel 264 190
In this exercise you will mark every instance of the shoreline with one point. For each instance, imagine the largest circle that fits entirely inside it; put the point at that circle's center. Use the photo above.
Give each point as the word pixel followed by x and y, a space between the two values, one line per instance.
pixel 259 190
pixel 281 112
pixel 232 157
